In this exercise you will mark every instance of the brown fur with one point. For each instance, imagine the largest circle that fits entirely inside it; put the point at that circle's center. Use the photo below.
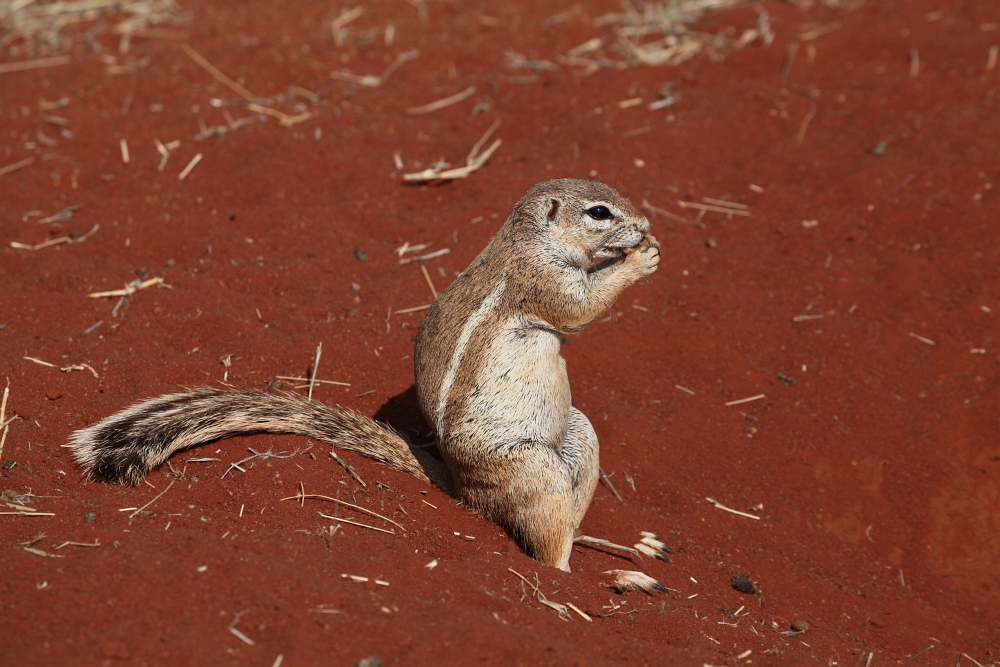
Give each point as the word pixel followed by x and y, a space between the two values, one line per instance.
pixel 520 454
pixel 490 377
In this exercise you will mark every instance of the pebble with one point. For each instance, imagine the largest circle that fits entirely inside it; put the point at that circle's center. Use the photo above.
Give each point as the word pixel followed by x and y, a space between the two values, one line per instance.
pixel 744 585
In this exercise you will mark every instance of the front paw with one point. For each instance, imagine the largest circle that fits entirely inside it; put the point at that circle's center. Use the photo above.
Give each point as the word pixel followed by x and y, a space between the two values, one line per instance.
pixel 645 257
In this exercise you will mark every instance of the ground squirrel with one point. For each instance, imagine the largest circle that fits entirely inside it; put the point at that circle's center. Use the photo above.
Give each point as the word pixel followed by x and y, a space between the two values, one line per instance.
pixel 490 377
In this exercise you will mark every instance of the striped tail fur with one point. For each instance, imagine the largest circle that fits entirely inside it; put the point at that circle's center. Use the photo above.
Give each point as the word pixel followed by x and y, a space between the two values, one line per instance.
pixel 126 446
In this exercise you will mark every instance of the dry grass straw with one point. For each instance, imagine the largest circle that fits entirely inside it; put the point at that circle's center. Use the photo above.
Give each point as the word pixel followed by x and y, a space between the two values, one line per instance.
pixel 439 172
pixel 55 241
pixel 283 118
pixel 430 283
pixel 355 523
pixel 722 507
pixel 36 29
pixel 348 468
pixel 337 25
pixel 295 378
pixel 659 33
pixel 441 104
pixel 190 166
pixel 155 498
pixel 37 63
pixel 129 289
pixel 20 164
pixel 302 496
pixel 219 76
pixel 3 416
pixel 312 376
pixel 372 81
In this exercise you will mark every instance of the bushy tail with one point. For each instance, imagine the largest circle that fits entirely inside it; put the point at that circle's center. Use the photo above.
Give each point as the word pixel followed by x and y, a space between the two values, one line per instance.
pixel 126 446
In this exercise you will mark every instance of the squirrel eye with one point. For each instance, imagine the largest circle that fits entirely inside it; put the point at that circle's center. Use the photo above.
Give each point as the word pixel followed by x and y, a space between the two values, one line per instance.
pixel 600 213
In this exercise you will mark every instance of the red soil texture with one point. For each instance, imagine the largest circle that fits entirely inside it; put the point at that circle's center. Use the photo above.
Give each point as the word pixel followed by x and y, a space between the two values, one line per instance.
pixel 858 301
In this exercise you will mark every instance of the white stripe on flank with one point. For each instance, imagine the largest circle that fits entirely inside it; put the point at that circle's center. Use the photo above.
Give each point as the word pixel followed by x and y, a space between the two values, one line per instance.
pixel 463 340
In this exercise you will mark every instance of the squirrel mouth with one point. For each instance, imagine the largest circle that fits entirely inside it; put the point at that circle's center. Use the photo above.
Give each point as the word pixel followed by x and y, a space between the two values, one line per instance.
pixel 607 258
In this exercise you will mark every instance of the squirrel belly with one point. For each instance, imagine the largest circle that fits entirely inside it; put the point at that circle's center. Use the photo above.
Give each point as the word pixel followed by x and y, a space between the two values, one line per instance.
pixel 490 377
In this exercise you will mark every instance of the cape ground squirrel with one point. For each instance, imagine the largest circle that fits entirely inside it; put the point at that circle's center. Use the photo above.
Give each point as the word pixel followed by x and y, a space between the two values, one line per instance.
pixel 490 377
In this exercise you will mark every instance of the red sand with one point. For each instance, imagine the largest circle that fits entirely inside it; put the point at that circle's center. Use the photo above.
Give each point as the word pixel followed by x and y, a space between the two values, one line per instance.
pixel 876 475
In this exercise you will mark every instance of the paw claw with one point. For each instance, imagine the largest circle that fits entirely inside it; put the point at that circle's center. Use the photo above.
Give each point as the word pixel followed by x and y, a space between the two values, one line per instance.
pixel 630 580
pixel 653 541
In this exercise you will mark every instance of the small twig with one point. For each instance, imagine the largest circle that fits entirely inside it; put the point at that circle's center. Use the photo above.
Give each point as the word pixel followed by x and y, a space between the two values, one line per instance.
pixel 211 69
pixel 236 633
pixel 129 290
pixel 341 21
pixel 714 209
pixel 155 498
pixel 283 118
pixel 474 153
pixel 522 578
pixel 786 65
pixel 928 341
pixel 819 32
pixel 412 310
pixel 301 379
pixel 656 210
pixel 917 655
pixel 345 504
pixel 33 64
pixel 611 487
pixel 78 544
pixel 312 378
pixel 964 655
pixel 372 81
pixel 729 509
pixel 441 104
pixel 3 415
pixel 579 611
pixel 57 241
pixel 361 580
pixel 427 277
pixel 39 552
pixel 190 166
pixel 355 523
pixel 40 362
pixel 430 255
pixel 264 455
pixel 348 468
pixel 16 165
pixel 805 124
pixel 746 400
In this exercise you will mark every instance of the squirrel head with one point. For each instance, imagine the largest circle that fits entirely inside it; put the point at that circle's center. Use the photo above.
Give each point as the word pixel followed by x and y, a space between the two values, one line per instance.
pixel 584 223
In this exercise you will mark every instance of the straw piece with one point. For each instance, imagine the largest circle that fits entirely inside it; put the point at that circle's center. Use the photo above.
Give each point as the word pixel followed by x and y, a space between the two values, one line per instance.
pixel 211 69
pixel 16 165
pixel 441 104
pixel 33 64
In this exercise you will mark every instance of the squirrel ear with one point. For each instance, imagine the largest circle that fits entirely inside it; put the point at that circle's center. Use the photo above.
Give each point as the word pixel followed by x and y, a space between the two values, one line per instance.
pixel 553 211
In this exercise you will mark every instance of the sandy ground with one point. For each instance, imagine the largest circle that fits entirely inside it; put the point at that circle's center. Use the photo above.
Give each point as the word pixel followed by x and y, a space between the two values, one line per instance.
pixel 857 302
